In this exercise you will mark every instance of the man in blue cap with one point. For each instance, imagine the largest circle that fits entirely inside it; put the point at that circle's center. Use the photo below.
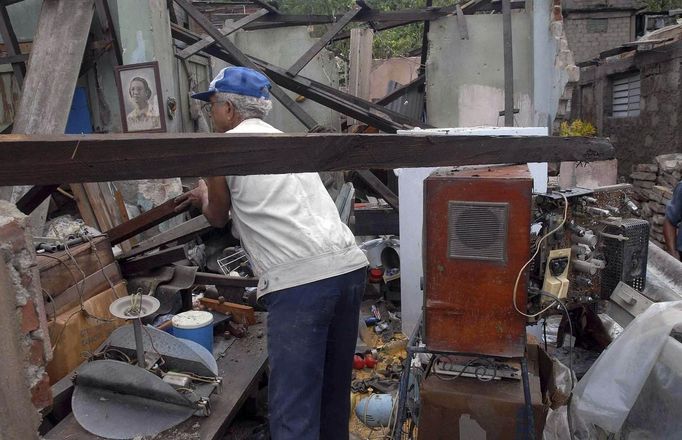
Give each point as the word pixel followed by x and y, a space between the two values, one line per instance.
pixel 311 272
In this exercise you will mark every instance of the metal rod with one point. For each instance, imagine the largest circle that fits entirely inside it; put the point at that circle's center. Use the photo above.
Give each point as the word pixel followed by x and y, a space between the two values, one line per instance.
pixel 529 403
pixel 137 328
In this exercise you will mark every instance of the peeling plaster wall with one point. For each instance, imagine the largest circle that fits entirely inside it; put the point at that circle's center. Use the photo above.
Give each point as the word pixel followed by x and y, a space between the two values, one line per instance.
pixel 282 47
pixel 465 78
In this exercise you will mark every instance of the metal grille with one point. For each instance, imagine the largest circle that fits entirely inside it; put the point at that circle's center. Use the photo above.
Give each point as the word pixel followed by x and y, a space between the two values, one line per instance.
pixel 626 259
pixel 626 93
pixel 477 230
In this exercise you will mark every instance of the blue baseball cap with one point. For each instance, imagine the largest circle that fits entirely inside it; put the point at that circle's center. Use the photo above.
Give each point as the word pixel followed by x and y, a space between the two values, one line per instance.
pixel 239 80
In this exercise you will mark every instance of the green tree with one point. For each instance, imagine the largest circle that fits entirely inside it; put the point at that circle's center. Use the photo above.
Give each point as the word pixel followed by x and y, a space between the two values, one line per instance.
pixel 392 42
pixel 662 5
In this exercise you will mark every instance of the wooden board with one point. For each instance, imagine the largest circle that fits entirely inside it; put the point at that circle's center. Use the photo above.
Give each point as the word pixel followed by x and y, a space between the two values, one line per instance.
pixel 85 289
pixel 241 366
pixel 179 234
pixel 58 271
pixel 142 222
pixel 72 333
pixel 91 158
pixel 242 314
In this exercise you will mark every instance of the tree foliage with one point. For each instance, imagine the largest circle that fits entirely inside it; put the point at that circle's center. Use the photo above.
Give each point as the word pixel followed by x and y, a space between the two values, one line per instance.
pixel 662 5
pixel 391 42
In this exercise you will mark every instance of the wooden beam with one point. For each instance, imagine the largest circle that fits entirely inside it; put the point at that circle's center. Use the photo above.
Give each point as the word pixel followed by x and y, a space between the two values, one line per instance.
pixel 462 24
pixel 378 186
pixel 242 314
pixel 400 91
pixel 22 58
pixel 142 222
pixel 186 231
pixel 322 42
pixel 508 64
pixel 88 158
pixel 34 197
pixel 165 257
pixel 11 45
pixel 243 60
pixel 104 13
pixel 215 279
pixel 227 30
pixel 84 207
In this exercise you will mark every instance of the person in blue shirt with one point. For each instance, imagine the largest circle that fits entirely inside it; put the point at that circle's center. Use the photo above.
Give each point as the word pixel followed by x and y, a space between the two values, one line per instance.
pixel 673 218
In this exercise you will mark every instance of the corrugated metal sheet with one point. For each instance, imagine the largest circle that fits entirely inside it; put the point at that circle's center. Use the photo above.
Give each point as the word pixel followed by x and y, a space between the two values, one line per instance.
pixel 410 104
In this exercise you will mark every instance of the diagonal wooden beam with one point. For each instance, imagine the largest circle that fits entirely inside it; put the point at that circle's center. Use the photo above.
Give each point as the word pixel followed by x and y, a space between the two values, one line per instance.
pixel 11 44
pixel 378 186
pixel 322 42
pixel 227 30
pixel 111 157
pixel 352 106
pixel 242 60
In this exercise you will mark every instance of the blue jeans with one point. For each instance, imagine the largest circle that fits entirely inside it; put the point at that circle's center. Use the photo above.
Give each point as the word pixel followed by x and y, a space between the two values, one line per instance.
pixel 312 332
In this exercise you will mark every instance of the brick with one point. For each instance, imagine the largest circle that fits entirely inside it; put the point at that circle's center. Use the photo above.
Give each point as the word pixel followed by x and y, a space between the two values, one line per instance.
pixel 36 354
pixel 12 234
pixel 658 219
pixel 29 318
pixel 645 167
pixel 663 191
pixel 41 393
pixel 640 175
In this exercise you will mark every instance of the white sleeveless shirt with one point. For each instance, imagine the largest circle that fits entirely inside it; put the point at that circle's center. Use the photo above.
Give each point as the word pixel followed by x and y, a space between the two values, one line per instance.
pixel 289 226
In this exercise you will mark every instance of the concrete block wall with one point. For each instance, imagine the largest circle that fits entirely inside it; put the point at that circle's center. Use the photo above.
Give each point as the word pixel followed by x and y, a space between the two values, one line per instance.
pixel 587 45
pixel 18 255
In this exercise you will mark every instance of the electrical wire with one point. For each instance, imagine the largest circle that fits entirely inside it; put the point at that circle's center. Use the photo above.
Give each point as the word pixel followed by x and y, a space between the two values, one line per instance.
pixel 537 250
pixel 482 377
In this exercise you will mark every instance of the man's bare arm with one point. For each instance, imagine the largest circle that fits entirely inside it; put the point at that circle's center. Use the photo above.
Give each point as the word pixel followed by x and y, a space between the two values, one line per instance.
pixel 217 210
pixel 670 235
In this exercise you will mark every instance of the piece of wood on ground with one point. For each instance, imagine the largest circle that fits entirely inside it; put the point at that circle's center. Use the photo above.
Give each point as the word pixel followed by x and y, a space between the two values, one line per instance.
pixel 241 313
pixel 179 234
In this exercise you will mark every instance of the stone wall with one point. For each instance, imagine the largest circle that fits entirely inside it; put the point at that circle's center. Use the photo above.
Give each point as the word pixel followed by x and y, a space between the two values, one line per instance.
pixel 18 255
pixel 653 185
pixel 587 44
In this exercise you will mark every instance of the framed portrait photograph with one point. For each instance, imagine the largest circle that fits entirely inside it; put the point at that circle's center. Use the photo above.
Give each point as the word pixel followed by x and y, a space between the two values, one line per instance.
pixel 139 94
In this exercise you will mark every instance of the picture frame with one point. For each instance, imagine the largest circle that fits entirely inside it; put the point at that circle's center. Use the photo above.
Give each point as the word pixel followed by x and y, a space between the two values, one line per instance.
pixel 140 100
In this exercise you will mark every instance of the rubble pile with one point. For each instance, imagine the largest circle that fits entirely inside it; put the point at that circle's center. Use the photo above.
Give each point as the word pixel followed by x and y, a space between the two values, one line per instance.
pixel 653 185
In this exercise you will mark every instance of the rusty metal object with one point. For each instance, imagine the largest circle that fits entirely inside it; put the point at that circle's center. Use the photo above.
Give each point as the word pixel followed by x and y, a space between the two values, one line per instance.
pixel 477 235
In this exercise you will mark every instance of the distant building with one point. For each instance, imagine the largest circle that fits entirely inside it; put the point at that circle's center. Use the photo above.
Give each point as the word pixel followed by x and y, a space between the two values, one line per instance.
pixel 632 95
pixel 593 26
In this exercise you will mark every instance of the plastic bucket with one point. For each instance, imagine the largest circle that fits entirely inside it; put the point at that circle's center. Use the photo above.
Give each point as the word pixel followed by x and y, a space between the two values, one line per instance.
pixel 196 326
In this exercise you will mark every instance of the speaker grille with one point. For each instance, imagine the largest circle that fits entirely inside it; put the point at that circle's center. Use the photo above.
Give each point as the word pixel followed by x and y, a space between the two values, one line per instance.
pixel 477 230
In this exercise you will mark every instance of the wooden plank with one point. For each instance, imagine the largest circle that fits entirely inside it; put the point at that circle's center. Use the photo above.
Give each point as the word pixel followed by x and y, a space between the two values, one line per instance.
pixel 58 48
pixel 12 45
pixel 58 271
pixel 107 22
pixel 83 290
pixel 96 198
pixel 215 279
pixel 165 257
pixel 184 232
pixel 241 366
pixel 34 197
pixel 112 157
pixel 242 60
pixel 84 206
pixel 508 64
pixel 322 42
pixel 360 66
pixel 378 186
pixel 462 24
pixel 227 30
pixel 19 417
pixel 142 222
pixel 240 313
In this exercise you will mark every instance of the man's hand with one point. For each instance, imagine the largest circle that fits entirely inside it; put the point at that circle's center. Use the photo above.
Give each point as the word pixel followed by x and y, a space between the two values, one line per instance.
pixel 198 198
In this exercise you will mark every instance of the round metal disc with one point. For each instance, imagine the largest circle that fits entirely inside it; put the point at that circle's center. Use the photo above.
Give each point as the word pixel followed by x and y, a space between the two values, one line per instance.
pixel 120 308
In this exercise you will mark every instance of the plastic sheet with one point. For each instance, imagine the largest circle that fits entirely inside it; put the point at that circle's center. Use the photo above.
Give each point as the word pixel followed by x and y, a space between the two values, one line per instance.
pixel 635 379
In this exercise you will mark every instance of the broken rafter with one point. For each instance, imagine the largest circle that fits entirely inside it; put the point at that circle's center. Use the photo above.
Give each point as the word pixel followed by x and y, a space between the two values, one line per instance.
pixel 322 42
pixel 227 30
pixel 344 103
pixel 242 60
pixel 92 158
